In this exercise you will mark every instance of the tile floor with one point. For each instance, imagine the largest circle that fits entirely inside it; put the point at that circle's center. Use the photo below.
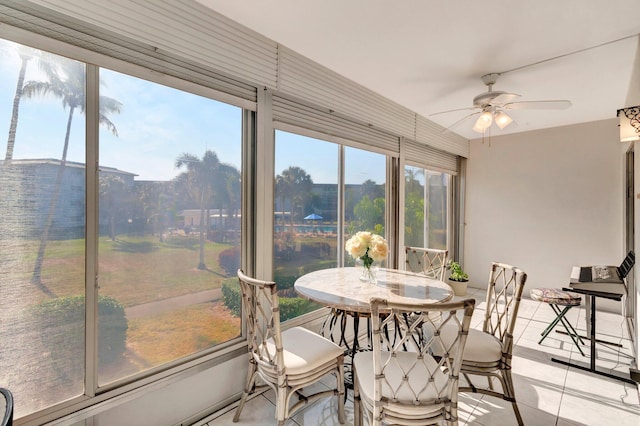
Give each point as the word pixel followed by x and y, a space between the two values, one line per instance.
pixel 548 393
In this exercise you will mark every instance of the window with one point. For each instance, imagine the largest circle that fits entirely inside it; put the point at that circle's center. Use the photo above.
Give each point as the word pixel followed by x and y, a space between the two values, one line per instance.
pixel 306 208
pixel 365 194
pixel 42 224
pixel 426 215
pixel 167 235
pixel 169 223
pixel 306 214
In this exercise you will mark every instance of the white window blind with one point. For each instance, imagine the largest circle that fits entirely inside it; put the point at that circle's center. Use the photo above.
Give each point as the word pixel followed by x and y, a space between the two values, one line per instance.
pixel 434 135
pixel 302 78
pixel 421 155
pixel 299 114
pixel 174 60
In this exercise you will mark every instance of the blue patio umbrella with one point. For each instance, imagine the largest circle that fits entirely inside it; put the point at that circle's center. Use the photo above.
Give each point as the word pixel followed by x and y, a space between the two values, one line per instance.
pixel 313 216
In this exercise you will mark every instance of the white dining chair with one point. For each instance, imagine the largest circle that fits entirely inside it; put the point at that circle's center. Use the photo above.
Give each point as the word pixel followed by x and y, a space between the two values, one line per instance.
pixel 427 261
pixel 431 263
pixel 488 352
pixel 399 382
pixel 286 361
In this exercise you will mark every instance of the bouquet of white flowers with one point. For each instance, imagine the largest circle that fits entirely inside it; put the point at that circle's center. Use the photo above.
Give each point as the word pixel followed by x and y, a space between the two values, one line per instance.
pixel 368 247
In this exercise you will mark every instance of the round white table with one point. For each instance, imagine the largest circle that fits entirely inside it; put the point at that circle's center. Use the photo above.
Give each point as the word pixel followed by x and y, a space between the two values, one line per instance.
pixel 341 288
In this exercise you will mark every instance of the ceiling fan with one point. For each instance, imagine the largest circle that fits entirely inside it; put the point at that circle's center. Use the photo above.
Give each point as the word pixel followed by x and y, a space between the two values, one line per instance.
pixel 491 106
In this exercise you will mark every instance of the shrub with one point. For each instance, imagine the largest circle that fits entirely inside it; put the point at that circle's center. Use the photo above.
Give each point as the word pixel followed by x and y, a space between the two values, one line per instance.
pixel 232 296
pixel 112 330
pixel 289 307
pixel 293 307
pixel 285 281
pixel 61 322
pixel 229 260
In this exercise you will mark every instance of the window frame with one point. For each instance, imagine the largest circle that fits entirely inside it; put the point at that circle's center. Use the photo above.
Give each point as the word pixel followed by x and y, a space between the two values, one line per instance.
pixel 391 214
pixel 455 210
pixel 174 371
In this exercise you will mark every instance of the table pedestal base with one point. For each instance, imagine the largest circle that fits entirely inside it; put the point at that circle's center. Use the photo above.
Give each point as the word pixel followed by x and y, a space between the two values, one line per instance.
pixel 337 321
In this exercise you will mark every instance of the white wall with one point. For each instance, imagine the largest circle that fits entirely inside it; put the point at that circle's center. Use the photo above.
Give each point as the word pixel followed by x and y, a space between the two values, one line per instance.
pixel 545 201
pixel 180 402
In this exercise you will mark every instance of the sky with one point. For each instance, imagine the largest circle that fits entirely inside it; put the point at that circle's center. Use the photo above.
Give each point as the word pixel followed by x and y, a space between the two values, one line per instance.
pixel 155 126
pixel 320 160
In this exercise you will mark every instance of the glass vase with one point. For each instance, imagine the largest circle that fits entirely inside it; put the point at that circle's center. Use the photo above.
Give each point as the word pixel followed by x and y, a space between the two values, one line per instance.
pixel 368 275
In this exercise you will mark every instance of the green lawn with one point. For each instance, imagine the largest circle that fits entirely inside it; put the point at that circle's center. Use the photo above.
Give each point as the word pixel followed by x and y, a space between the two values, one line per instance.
pixel 134 270
pixel 170 336
pixel 307 260
pixel 139 270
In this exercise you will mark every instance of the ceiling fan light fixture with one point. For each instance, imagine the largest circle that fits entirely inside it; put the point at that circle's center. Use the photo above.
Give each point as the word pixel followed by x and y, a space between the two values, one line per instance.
pixel 483 122
pixel 502 119
pixel 477 129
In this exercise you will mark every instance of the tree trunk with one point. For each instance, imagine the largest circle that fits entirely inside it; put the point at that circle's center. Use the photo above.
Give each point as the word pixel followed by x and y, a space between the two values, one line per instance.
pixel 284 219
pixel 201 264
pixel 44 238
pixel 16 106
pixel 112 227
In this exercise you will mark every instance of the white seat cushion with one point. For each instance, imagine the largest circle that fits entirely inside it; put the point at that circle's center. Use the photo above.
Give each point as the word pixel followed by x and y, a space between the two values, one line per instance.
pixel 419 377
pixel 305 350
pixel 480 347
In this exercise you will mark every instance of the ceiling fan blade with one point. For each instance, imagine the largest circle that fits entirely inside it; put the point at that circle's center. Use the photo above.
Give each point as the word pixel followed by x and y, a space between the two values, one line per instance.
pixel 538 105
pixel 452 110
pixel 504 98
pixel 457 123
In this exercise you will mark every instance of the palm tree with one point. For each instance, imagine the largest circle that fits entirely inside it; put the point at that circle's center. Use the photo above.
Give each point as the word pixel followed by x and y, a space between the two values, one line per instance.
pixel 411 179
pixel 200 177
pixel 282 190
pixel 25 54
pixel 66 81
pixel 227 189
pixel 372 189
pixel 154 202
pixel 296 184
pixel 112 192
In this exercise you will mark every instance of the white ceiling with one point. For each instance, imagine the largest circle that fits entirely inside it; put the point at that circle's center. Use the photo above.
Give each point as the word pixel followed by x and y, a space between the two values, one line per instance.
pixel 429 55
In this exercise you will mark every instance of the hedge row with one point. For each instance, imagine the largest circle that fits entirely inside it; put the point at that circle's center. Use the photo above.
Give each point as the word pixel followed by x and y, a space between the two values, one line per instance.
pixel 62 331
pixel 232 296
pixel 289 307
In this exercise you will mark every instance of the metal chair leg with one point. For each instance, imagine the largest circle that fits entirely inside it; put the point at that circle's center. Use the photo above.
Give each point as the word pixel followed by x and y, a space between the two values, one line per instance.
pixel 572 333
pixel 560 318
pixel 553 323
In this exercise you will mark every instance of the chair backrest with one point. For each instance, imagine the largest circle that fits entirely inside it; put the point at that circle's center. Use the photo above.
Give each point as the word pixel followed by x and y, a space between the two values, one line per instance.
pixel 506 283
pixel 398 329
pixel 260 304
pixel 627 264
pixel 7 418
pixel 430 262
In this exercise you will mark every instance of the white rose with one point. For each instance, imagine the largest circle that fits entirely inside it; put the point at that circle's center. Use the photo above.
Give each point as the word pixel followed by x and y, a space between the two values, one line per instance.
pixel 379 249
pixel 365 237
pixel 356 246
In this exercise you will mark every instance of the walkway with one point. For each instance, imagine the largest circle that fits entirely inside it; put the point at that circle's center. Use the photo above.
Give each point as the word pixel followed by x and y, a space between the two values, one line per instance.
pixel 172 303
